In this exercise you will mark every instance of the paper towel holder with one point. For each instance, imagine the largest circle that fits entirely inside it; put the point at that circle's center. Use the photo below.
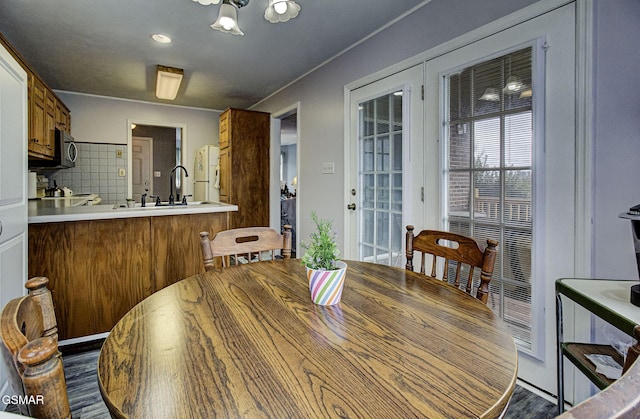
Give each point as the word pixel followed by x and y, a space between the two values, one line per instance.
pixel 33 185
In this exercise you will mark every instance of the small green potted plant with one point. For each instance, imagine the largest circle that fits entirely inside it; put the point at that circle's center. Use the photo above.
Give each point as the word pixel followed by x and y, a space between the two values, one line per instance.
pixel 325 270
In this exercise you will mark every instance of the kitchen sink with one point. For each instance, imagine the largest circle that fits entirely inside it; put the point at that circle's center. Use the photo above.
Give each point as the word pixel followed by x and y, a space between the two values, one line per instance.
pixel 163 205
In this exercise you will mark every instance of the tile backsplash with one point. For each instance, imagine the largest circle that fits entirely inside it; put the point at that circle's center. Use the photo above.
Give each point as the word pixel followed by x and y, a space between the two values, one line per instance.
pixel 97 171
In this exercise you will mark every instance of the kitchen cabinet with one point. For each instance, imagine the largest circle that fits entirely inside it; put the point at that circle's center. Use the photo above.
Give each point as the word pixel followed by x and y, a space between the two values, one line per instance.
pixel 99 269
pixel 45 111
pixel 13 178
pixel 244 166
pixel 40 143
pixel 63 117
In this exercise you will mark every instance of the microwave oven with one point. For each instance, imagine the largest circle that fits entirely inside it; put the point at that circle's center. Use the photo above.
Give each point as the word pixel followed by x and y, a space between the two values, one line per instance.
pixel 65 156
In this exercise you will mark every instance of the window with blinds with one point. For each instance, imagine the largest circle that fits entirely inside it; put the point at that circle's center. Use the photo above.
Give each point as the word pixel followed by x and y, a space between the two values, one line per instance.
pixel 489 171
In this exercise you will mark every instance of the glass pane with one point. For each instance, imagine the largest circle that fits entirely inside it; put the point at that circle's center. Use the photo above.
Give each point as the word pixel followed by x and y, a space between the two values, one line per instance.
pixel 396 98
pixel 487 92
pixel 382 154
pixel 366 160
pixel 487 194
pixel 397 232
pixel 486 143
pixel 396 191
pixel 518 135
pixel 460 227
pixel 368 191
pixel 367 124
pixel 397 152
pixel 517 87
pixel 459 193
pixel 382 114
pixel 517 201
pixel 459 145
pixel 517 255
pixel 382 191
pixel 382 229
pixel 458 94
pixel 367 253
pixel 367 232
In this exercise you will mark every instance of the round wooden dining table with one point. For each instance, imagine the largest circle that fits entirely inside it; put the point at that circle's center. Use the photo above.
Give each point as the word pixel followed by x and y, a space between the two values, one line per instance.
pixel 248 342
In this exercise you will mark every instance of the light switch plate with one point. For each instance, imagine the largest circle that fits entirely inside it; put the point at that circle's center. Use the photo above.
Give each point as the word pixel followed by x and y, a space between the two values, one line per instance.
pixel 119 154
pixel 328 168
pixel 156 173
pixel 122 172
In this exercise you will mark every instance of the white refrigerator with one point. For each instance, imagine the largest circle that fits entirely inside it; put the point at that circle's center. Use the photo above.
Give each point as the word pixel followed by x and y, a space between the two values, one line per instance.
pixel 207 174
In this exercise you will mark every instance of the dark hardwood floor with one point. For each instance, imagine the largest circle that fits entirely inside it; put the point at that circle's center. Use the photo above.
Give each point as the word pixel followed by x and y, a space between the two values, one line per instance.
pixel 86 402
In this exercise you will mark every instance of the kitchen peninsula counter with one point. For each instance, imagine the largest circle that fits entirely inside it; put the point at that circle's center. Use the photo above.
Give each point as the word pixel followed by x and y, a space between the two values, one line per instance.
pixel 51 214
pixel 103 261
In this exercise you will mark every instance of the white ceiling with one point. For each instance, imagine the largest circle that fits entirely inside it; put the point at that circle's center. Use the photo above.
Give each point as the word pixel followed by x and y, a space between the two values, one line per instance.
pixel 103 47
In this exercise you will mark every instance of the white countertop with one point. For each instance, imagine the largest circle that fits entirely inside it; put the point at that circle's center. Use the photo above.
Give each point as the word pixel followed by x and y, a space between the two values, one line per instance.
pixel 40 214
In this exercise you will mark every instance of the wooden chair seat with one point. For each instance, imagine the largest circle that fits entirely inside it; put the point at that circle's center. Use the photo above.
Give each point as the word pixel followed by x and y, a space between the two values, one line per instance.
pixel 29 335
pixel 450 250
pixel 245 244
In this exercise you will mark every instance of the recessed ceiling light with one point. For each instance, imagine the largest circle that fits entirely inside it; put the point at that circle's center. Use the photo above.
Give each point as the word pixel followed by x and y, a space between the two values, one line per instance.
pixel 163 39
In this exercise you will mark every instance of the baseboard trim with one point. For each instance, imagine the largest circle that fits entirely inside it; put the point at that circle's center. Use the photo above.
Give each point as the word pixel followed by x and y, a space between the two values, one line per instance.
pixel 83 344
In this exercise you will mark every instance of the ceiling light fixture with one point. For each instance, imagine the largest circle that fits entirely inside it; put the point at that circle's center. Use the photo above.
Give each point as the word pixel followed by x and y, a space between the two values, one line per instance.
pixel 491 94
pixel 168 81
pixel 227 21
pixel 514 85
pixel 228 17
pixel 160 38
pixel 281 10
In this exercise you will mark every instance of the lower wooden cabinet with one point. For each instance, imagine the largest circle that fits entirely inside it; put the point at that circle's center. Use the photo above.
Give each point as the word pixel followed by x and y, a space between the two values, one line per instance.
pixel 99 270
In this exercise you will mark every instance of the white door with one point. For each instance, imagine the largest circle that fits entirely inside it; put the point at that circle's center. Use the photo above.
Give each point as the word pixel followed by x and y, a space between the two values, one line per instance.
pixel 13 185
pixel 551 39
pixel 384 164
pixel 142 167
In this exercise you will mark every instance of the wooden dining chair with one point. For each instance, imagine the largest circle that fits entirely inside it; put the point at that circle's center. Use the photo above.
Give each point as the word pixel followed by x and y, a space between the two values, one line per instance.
pixel 245 245
pixel 448 250
pixel 29 336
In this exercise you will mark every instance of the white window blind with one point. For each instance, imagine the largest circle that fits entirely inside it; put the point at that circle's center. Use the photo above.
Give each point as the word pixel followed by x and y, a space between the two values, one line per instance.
pixel 489 172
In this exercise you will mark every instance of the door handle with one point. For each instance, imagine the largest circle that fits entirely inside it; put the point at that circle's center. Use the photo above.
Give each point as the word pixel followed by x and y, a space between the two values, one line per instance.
pixel 351 206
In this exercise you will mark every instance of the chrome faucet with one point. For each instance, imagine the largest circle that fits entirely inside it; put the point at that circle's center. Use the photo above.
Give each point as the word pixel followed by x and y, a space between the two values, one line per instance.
pixel 172 181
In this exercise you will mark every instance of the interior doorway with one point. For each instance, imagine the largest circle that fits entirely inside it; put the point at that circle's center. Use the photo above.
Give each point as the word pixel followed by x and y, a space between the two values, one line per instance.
pixel 142 168
pixel 150 165
pixel 285 173
pixel 289 174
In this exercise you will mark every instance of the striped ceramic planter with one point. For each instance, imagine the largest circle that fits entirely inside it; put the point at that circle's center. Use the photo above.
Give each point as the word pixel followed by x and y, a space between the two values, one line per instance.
pixel 326 286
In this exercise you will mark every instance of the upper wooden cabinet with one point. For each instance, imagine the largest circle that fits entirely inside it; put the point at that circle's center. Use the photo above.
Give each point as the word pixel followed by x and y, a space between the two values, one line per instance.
pixel 244 166
pixel 63 117
pixel 45 111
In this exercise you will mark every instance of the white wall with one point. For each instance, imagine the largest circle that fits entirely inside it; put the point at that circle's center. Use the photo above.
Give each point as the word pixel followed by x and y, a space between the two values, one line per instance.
pixel 321 95
pixel 617 136
pixel 96 119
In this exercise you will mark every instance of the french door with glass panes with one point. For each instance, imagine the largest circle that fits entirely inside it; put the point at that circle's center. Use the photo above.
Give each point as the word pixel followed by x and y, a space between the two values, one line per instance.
pixel 385 166
pixel 503 110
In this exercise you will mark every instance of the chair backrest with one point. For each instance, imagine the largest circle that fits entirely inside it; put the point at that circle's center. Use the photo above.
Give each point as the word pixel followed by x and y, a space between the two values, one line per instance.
pixel 248 244
pixel 445 247
pixel 30 353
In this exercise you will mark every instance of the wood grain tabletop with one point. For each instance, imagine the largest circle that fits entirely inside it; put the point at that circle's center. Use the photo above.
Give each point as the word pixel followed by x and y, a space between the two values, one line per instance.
pixel 248 342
